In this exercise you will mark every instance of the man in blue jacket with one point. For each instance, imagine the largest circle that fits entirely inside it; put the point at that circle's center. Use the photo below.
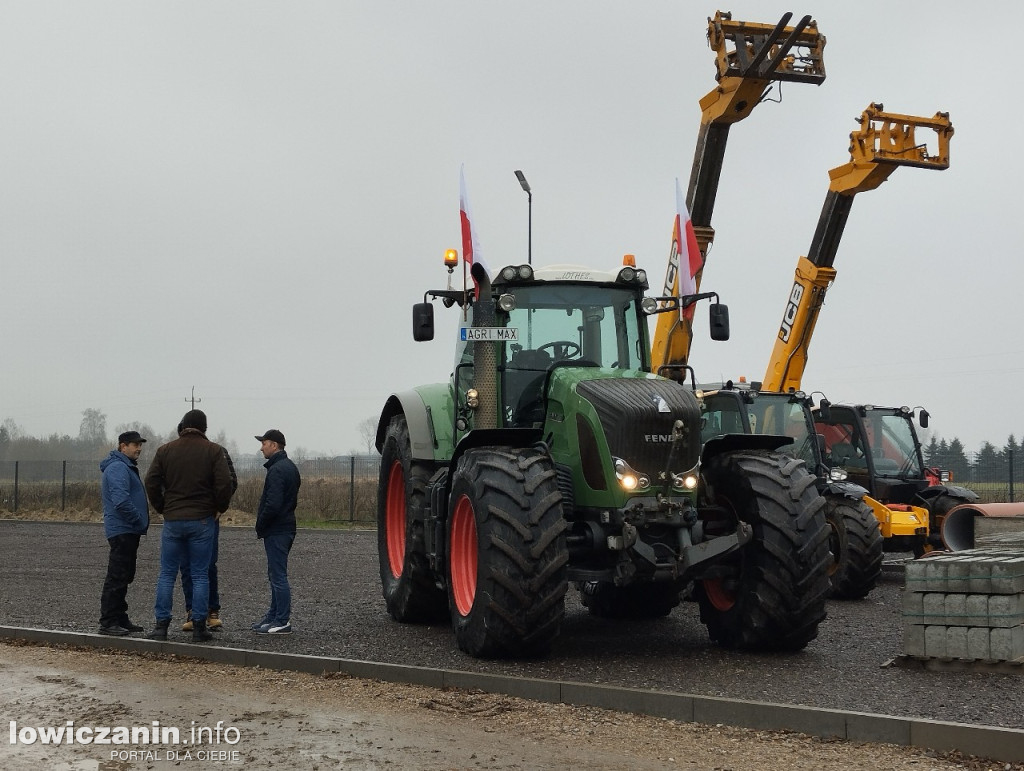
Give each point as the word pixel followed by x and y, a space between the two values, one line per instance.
pixel 125 521
pixel 275 524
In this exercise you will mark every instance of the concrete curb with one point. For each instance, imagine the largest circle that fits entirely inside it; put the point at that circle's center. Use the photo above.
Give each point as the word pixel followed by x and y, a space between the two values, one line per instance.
pixel 1003 744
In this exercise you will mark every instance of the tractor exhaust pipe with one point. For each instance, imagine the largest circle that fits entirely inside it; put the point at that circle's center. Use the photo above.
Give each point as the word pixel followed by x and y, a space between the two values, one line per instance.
pixel 485 354
pixel 958 526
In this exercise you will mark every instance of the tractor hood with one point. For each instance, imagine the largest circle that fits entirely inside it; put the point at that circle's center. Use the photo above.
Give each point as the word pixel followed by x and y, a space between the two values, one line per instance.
pixel 649 423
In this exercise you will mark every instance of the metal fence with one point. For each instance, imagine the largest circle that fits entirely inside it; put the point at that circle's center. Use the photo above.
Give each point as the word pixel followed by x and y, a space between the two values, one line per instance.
pixel 342 488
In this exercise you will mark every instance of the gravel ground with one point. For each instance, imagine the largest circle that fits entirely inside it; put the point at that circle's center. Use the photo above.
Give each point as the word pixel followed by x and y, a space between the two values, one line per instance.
pixel 51 574
pixel 295 722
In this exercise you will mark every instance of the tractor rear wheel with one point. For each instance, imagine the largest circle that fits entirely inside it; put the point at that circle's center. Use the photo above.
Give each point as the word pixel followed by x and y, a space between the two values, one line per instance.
pixel 507 553
pixel 769 595
pixel 410 589
pixel 650 600
pixel 856 543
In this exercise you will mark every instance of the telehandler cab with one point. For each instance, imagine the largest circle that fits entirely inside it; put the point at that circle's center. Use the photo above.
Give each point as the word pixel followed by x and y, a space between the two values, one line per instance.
pixel 878 448
pixel 855 539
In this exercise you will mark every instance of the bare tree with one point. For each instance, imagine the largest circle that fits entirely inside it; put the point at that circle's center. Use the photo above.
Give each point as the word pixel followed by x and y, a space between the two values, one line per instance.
pixel 368 432
pixel 93 429
pixel 11 430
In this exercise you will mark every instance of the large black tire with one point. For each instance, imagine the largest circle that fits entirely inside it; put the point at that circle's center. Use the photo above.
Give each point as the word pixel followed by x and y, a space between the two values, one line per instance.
pixel 770 595
pixel 411 591
pixel 507 553
pixel 650 600
pixel 855 542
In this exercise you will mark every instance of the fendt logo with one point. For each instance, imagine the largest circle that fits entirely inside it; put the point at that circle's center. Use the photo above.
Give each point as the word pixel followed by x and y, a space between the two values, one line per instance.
pixel 790 315
pixel 657 438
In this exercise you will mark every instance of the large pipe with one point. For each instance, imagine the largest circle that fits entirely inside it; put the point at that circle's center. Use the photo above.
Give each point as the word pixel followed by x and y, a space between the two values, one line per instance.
pixel 958 524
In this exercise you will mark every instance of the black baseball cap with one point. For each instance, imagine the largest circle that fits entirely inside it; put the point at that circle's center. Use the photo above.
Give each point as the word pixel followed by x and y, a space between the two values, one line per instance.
pixel 130 437
pixel 273 435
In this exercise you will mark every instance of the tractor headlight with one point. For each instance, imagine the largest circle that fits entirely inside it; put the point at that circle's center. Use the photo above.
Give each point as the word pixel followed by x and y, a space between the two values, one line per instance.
pixel 629 480
pixel 507 303
pixel 837 474
pixel 649 305
pixel 472 398
pixel 525 272
pixel 684 481
pixel 628 275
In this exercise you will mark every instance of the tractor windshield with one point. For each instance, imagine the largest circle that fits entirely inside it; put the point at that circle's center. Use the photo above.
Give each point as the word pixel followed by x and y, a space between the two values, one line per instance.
pixel 781 415
pixel 592 325
pixel 744 412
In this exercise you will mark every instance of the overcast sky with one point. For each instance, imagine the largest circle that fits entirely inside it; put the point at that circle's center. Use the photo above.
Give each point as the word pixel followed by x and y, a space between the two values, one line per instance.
pixel 249 197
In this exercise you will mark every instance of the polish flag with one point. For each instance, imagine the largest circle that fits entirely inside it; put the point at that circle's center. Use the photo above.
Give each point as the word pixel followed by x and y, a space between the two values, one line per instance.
pixel 470 242
pixel 685 250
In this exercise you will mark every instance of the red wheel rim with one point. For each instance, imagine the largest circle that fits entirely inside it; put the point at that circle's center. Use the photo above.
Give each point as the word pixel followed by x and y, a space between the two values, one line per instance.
pixel 394 519
pixel 719 594
pixel 463 555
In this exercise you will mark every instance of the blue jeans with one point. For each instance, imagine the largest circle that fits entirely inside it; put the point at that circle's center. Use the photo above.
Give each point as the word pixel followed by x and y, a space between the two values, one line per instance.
pixel 277 548
pixel 186 575
pixel 185 542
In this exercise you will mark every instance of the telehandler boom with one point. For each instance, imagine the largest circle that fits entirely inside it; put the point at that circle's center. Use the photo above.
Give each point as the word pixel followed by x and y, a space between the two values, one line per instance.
pixel 884 455
pixel 884 142
pixel 749 57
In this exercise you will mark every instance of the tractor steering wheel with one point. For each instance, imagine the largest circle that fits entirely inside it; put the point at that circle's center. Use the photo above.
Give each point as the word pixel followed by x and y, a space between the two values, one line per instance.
pixel 561 349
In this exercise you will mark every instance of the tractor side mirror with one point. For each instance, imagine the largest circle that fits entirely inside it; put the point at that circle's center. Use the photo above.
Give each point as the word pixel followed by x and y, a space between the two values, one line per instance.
pixel 718 315
pixel 825 410
pixel 422 322
pixel 923 418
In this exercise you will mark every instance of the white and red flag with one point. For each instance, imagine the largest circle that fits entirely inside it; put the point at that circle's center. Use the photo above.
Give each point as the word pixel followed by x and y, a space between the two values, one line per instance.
pixel 470 241
pixel 685 251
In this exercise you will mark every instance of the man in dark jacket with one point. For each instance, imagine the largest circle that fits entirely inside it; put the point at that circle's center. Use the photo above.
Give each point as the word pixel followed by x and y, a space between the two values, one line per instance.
pixel 189 483
pixel 125 521
pixel 275 524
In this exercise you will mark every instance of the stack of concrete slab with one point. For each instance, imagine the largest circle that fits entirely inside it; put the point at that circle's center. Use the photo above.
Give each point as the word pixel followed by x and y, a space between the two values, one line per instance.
pixel 965 605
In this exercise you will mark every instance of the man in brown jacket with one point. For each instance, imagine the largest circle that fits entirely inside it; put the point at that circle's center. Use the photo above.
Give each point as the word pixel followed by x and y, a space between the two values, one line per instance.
pixel 189 483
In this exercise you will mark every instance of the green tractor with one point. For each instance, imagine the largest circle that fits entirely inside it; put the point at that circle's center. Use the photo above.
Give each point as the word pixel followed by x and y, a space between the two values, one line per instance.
pixel 554 456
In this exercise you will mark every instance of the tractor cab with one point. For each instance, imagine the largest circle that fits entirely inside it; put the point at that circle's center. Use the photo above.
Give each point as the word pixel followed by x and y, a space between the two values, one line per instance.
pixel 742 408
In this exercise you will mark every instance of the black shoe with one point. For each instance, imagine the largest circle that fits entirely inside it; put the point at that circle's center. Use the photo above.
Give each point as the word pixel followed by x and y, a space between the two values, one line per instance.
pixel 160 630
pixel 115 630
pixel 127 624
pixel 199 633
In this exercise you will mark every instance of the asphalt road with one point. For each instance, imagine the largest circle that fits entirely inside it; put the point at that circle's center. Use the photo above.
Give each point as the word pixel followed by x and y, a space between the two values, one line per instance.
pixel 51 574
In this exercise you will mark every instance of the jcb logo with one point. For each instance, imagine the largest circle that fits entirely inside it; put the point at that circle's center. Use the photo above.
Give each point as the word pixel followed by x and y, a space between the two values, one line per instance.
pixel 791 310
pixel 673 269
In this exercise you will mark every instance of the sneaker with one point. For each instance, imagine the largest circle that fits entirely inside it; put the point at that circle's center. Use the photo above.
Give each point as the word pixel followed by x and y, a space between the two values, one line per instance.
pixel 213 620
pixel 285 628
pixel 259 625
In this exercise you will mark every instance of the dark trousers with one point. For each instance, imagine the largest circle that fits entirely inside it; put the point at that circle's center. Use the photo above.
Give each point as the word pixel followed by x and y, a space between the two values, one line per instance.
pixel 120 573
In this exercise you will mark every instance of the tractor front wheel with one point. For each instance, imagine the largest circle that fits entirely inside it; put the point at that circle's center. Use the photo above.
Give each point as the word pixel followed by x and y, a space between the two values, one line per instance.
pixel 506 553
pixel 770 594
